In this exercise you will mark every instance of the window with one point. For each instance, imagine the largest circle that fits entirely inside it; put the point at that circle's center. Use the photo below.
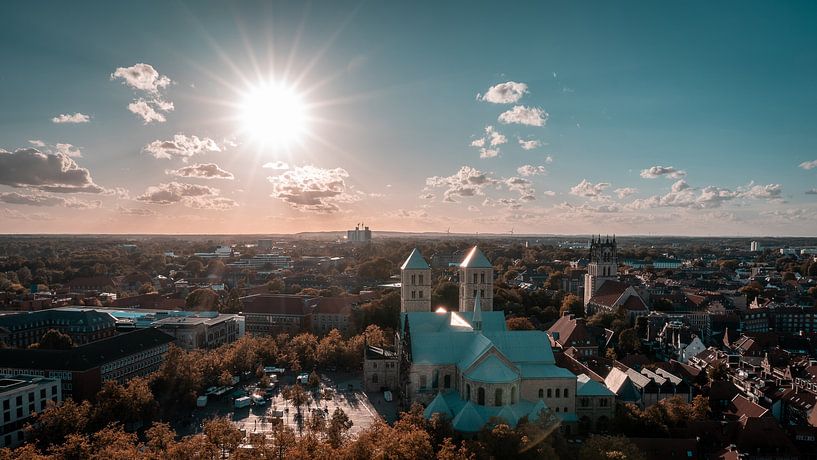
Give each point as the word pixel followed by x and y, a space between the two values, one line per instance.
pixel 565 411
pixel 447 381
pixel 475 278
pixel 550 393
pixel 498 397
pixel 435 379
pixel 413 294
pixel 412 279
pixel 565 392
pixel 541 393
pixel 557 393
pixel 482 278
pixel 420 294
pixel 557 409
pixel 584 402
pixel 513 395
pixel 475 292
pixel 421 278
pixel 603 402
pixel 423 381
pixel 467 391
pixel 482 292
pixel 481 396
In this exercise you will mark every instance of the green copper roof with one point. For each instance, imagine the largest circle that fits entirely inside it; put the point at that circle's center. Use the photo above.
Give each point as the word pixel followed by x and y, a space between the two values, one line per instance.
pixel 415 261
pixel 476 259
pixel 536 411
pixel 468 419
pixel 438 405
pixel 492 370
pixel 508 414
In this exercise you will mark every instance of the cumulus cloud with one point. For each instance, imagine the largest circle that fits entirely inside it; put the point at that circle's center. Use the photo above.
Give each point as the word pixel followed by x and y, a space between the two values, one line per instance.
pixel 768 191
pixel 509 203
pixel 548 159
pixel 478 142
pixel 68 149
pixel 809 164
pixel 549 193
pixel 530 170
pixel 191 195
pixel 426 196
pixel 468 181
pixel 312 189
pixel 529 144
pixel 36 143
pixel 48 172
pixel 522 186
pixel 492 138
pixel 811 191
pixel 181 146
pixel 684 196
pixel 531 116
pixel 488 153
pixel 588 189
pixel 279 165
pixel 588 208
pixel 625 191
pixel 71 118
pixel 144 212
pixel 504 93
pixel 210 202
pixel 665 171
pixel 142 77
pixel 47 200
pixel 201 171
pixel 679 185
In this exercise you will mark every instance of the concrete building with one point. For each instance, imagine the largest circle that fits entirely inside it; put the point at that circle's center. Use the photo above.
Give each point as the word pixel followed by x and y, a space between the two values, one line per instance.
pixel 272 314
pixel 333 313
pixel 83 325
pixel 754 246
pixel 203 331
pixel 21 396
pixel 83 369
pixel 359 235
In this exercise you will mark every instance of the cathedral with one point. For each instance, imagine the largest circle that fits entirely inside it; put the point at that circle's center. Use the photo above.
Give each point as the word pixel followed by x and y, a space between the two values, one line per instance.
pixel 602 290
pixel 466 364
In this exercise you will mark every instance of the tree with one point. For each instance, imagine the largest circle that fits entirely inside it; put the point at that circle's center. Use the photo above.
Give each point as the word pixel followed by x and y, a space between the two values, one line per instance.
pixel 330 349
pixel 194 267
pixel 131 404
pixel 573 305
pixel 339 424
pixel 232 304
pixel 610 448
pixel 374 335
pixel 628 342
pixel 314 380
pixel 446 294
pixel 53 425
pixel 376 269
pixel 54 340
pixel 519 324
pixel 297 395
pixel 717 371
pixel 223 434
pixel 275 286
pixel 204 299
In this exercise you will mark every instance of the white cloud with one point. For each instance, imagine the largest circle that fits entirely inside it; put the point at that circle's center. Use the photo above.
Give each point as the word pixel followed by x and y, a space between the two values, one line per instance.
pixel 492 138
pixel 529 144
pixel 191 195
pixel 278 165
pixel 71 118
pixel 504 93
pixel 488 153
pixel 548 159
pixel 809 164
pixel 48 172
pixel 146 110
pixel 201 171
pixel 144 212
pixel 768 191
pixel 587 208
pixel 531 116
pixel 142 77
pixel 680 185
pixel 522 186
pixel 588 189
pixel 47 200
pixel 658 171
pixel 426 196
pixel 530 170
pixel 625 191
pixel 478 142
pixel 811 191
pixel 181 146
pixel 468 181
pixel 69 150
pixel 36 143
pixel 313 189
pixel 683 196
pixel 549 193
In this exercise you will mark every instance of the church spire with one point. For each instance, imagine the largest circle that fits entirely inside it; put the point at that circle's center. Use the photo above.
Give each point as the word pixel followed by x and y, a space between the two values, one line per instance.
pixel 476 320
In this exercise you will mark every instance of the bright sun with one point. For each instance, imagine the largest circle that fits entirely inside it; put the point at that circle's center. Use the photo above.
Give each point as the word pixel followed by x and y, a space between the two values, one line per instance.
pixel 273 115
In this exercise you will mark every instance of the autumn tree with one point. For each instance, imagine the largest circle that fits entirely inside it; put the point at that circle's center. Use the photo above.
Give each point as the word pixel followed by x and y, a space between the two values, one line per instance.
pixel 53 425
pixel 54 340
pixel 519 324
pixel 204 299
pixel 610 448
pixel 223 434
pixel 337 428
pixel 573 305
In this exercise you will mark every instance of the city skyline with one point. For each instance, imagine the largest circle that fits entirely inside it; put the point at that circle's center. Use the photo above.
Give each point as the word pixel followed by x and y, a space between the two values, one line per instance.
pixel 693 119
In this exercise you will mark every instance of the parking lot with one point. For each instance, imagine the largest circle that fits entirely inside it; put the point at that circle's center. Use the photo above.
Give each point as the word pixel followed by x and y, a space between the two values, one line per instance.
pixel 346 395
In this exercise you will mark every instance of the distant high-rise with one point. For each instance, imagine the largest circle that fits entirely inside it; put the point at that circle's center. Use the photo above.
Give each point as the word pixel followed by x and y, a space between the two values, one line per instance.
pixel 265 244
pixel 754 246
pixel 603 266
pixel 359 235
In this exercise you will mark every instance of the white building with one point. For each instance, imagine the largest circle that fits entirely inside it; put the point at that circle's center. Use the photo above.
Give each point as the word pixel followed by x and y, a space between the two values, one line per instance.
pixel 359 235
pixel 754 246
pixel 21 396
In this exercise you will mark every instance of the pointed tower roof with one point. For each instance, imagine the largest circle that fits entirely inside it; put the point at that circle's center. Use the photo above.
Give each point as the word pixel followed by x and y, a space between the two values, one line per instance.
pixel 476 319
pixel 476 259
pixel 415 261
pixel 438 405
pixel 468 420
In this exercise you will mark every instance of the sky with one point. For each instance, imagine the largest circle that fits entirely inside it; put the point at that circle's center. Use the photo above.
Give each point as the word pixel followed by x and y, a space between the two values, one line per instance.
pixel 676 118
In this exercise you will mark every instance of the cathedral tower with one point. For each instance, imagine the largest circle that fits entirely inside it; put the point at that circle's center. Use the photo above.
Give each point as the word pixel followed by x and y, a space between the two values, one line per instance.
pixel 603 265
pixel 476 278
pixel 415 279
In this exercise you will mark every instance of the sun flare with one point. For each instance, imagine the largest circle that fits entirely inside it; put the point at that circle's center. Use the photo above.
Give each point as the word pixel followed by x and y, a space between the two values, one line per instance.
pixel 273 115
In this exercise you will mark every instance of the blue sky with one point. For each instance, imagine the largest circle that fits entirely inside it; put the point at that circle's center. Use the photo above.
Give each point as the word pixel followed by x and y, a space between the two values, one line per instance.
pixel 721 97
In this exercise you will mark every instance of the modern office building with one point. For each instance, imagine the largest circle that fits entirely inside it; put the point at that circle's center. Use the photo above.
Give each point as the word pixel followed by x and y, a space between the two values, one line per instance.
pixel 21 396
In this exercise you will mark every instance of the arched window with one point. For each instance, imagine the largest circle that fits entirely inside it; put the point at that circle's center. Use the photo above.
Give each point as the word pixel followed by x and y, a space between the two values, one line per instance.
pixel 475 278
pixel 541 393
pixel 550 393
pixel 423 381
pixel 467 391
pixel 513 395
pixel 447 381
pixel 481 396
pixel 566 393
pixel 498 397
pixel 482 278
pixel 557 393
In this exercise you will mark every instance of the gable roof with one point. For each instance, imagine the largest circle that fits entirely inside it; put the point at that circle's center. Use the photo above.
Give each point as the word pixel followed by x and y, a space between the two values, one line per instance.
pixel 609 292
pixel 438 406
pixel 585 386
pixel 475 259
pixel 492 370
pixel 468 419
pixel 415 261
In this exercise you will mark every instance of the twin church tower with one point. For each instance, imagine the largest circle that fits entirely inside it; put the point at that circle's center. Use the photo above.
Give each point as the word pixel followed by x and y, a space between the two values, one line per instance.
pixel 476 280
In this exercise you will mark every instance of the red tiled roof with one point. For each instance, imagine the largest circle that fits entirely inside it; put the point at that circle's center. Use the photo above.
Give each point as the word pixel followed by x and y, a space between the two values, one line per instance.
pixel 743 408
pixel 634 303
pixel 292 305
pixel 608 293
pixel 335 305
